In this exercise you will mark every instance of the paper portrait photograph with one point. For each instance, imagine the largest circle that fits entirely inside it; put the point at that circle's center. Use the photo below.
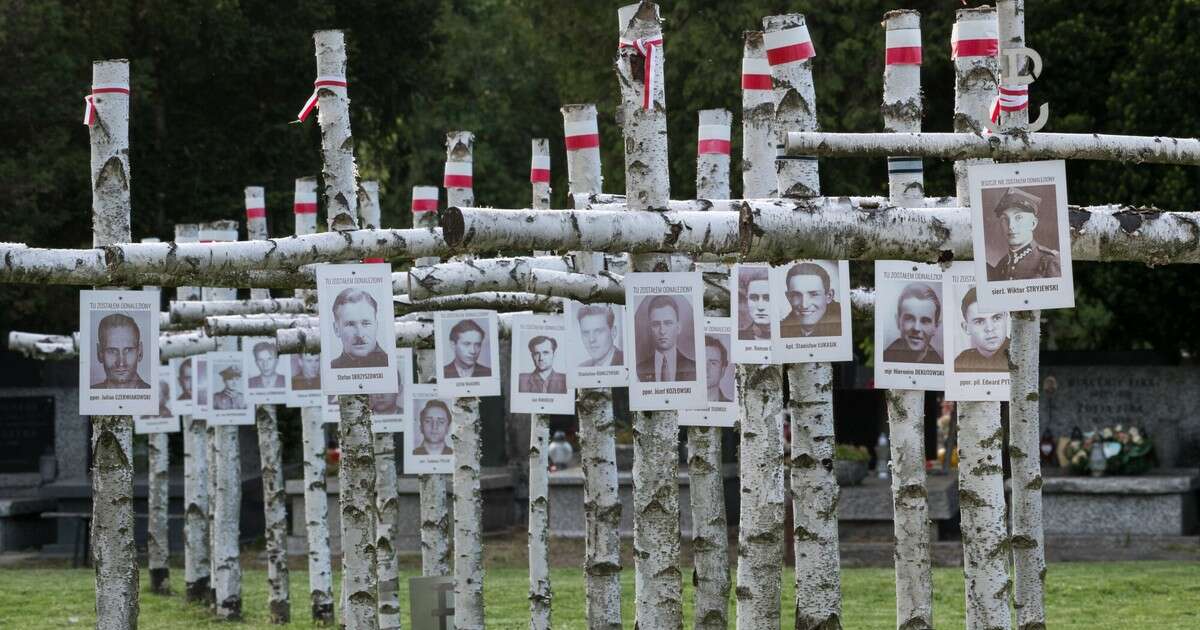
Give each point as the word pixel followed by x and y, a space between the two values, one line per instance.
pixel 468 352
pixel 750 307
pixel 1021 235
pixel 539 364
pixel 227 402
pixel 427 448
pixel 595 345
pixel 909 326
pixel 811 304
pixel 358 333
pixel 720 391
pixel 166 420
pixel 305 386
pixel 118 352
pixel 977 340
pixel 388 411
pixel 664 320
pixel 183 375
pixel 200 398
pixel 269 372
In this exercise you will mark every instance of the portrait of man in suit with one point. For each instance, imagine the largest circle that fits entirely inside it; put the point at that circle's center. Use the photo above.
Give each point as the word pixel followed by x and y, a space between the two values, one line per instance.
pixel 356 325
pixel 466 343
pixel 754 299
pixel 814 311
pixel 266 359
pixel 717 358
pixel 918 318
pixel 663 361
pixel 306 371
pixel 185 379
pixel 597 331
pixel 433 421
pixel 543 379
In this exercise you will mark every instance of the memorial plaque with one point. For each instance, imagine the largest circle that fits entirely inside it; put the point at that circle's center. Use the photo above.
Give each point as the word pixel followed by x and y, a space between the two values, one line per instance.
pixel 26 432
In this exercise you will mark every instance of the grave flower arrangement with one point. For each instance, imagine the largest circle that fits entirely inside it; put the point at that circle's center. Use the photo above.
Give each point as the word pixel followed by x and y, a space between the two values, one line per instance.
pixel 1126 450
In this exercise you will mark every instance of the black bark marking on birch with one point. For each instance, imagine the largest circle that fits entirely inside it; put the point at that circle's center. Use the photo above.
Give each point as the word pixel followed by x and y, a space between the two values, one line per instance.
pixel 1035 483
pixel 986 469
pixel 907 111
pixel 912 491
pixel 969 499
pixel 1021 541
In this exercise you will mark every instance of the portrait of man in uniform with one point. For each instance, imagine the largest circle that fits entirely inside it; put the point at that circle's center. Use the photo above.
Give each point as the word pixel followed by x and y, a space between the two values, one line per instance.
pixel 754 296
pixel 988 336
pixel 814 311
pixel 598 332
pixel 184 377
pixel 306 371
pixel 229 397
pixel 119 350
pixel 543 379
pixel 466 342
pixel 918 318
pixel 1019 212
pixel 355 322
pixel 433 421
pixel 266 359
pixel 664 362
pixel 718 361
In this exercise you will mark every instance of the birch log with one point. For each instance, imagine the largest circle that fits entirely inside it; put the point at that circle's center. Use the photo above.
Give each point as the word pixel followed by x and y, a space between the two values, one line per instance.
pixel 539 174
pixel 468 516
pixel 814 489
pixel 493 300
pixel 475 276
pixel 269 450
pixel 458 179
pixel 657 580
pixel 196 560
pixel 616 203
pixel 195 312
pixel 902 111
pixel 758 115
pixel 158 504
pixel 42 347
pixel 356 472
pixel 112 436
pixel 255 325
pixel 594 408
pixel 1012 146
pixel 226 513
pixel 436 534
pixel 706 481
pixel 980 436
pixel 539 523
pixel 312 430
pixel 1028 539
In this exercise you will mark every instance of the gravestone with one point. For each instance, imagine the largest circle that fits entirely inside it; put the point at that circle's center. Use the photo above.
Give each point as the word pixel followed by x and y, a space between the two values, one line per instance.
pixel 26 433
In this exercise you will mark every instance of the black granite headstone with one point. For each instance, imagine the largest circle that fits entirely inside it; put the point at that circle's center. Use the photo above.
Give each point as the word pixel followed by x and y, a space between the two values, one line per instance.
pixel 26 432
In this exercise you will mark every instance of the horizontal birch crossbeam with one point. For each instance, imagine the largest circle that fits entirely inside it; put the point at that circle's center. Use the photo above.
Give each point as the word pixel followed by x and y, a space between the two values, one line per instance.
pixel 490 300
pixel 43 347
pixel 616 203
pixel 196 311
pixel 237 264
pixel 478 275
pixel 1002 146
pixel 255 325
pixel 409 334
pixel 609 288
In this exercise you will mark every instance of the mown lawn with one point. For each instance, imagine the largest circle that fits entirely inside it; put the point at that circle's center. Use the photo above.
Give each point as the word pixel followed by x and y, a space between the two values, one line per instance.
pixel 1157 595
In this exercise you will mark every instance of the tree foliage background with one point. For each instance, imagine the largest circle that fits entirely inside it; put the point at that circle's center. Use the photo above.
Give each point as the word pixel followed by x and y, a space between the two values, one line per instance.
pixel 217 82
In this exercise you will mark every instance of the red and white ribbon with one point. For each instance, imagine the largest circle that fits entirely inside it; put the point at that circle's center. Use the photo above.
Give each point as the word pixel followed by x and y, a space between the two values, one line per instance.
pixel 539 169
pixel 756 73
pixel 789 45
pixel 903 47
pixel 975 38
pixel 713 140
pixel 327 82
pixel 89 106
pixel 645 48
pixel 424 199
pixel 1009 99
pixel 581 134
pixel 457 175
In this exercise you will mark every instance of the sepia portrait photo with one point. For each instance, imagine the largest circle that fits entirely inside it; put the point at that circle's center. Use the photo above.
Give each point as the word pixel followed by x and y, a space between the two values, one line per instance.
pixel 388 410
pixel 305 389
pixel 977 341
pixel 358 334
pixel 810 302
pixel 595 341
pixel 227 378
pixel 166 420
pixel 200 399
pixel 909 327
pixel 427 447
pixel 467 346
pixel 268 381
pixel 750 296
pixel 667 334
pixel 539 362
pixel 721 409
pixel 118 352
pixel 183 375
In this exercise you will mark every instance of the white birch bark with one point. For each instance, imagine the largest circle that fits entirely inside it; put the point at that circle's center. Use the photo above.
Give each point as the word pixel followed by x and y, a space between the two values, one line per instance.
pixel 583 162
pixel 902 111
pixel 255 325
pixel 112 436
pixel 539 523
pixel 196 558
pixel 316 515
pixel 758 117
pixel 42 347
pixel 492 300
pixel 214 456
pixel 195 312
pixel 616 203
pixel 411 333
pixel 474 276
pixel 226 515
pixel 459 148
pixel 712 167
pixel 540 191
pixel 158 502
pixel 468 516
pixel 658 588
pixel 980 436
pixel 387 503
pixel 1024 439
pixel 814 489
pixel 436 534
pixel 1008 147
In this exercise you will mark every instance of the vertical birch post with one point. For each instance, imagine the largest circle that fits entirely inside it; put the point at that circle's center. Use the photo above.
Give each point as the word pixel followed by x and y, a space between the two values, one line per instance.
pixel 387 501
pixel 436 535
pixel 458 177
pixel 1029 554
pixel 594 408
pixel 158 503
pixel 706 489
pixel 814 489
pixel 312 427
pixel 658 588
pixel 356 474
pixel 468 516
pixel 906 408
pixel 266 419
pixel 196 557
pixel 112 436
pixel 539 440
pixel 424 214
pixel 980 436
pixel 760 387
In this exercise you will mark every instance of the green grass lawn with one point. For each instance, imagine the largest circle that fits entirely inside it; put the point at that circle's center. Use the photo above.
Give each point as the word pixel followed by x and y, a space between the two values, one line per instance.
pixel 1081 596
